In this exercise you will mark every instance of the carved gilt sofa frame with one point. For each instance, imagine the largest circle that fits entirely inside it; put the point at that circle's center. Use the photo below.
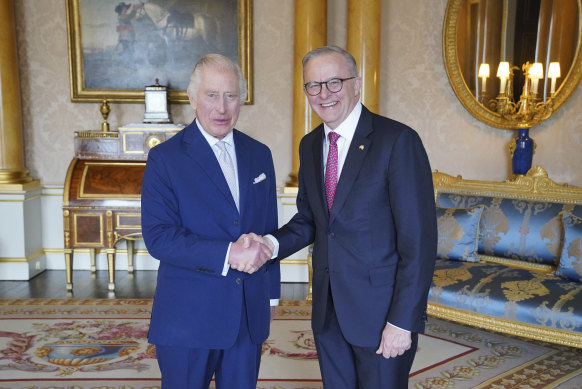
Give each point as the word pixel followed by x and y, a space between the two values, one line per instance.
pixel 514 289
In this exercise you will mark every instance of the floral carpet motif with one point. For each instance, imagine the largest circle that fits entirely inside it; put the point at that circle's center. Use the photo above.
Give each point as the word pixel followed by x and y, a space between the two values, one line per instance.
pixel 102 344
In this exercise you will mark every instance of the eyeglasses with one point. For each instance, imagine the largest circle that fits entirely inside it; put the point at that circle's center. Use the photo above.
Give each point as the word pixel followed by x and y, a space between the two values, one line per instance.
pixel 334 85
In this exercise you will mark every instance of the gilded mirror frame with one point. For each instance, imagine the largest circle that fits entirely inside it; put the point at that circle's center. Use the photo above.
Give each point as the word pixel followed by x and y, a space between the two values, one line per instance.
pixel 462 90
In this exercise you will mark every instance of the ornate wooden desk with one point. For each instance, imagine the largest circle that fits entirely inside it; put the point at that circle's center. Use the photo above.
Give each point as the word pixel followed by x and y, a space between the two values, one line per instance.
pixel 102 194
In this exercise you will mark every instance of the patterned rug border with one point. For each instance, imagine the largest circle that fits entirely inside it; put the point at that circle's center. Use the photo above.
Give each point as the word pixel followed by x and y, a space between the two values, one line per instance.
pixel 74 302
pixel 561 368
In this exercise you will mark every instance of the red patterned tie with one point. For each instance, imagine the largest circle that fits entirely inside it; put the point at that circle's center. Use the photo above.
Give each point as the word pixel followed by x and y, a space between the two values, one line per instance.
pixel 331 169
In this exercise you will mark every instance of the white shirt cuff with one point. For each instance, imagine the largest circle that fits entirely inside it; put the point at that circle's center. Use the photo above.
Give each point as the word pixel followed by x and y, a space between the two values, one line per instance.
pixel 275 244
pixel 274 302
pixel 402 329
pixel 226 265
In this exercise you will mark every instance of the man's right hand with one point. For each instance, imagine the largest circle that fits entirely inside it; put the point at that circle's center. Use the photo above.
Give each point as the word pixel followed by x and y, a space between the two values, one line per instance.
pixel 249 253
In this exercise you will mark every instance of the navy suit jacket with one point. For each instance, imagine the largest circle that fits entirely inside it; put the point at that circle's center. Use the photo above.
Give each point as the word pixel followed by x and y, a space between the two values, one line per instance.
pixel 377 247
pixel 188 219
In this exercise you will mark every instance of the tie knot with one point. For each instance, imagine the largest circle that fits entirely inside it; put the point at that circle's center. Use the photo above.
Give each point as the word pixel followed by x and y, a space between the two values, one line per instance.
pixel 333 137
pixel 221 145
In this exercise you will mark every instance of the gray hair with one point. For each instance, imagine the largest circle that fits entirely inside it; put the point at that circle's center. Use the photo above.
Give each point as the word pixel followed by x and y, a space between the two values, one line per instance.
pixel 332 50
pixel 221 62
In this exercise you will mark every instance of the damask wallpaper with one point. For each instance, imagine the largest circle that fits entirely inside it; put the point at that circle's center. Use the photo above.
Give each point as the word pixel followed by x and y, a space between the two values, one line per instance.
pixel 414 89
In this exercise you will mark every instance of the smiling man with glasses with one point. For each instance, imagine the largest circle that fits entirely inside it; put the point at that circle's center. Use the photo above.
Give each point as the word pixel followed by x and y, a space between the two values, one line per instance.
pixel 366 201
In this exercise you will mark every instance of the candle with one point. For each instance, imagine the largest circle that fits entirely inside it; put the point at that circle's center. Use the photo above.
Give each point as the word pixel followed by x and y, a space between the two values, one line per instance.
pixel 553 73
pixel 502 83
pixel 535 73
pixel 483 74
pixel 503 74
pixel 534 84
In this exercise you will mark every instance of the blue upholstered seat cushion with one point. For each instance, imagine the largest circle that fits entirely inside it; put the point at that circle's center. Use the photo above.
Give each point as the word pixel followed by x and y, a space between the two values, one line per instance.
pixel 458 233
pixel 516 229
pixel 570 265
pixel 520 295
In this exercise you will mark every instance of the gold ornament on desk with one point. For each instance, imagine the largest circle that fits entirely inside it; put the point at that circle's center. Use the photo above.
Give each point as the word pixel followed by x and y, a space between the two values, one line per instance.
pixel 105 109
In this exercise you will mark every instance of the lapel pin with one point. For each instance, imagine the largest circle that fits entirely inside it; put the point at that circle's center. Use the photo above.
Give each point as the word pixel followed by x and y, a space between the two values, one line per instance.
pixel 361 147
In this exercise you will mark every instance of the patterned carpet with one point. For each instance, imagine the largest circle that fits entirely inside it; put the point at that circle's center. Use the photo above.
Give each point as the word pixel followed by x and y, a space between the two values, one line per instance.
pixel 65 343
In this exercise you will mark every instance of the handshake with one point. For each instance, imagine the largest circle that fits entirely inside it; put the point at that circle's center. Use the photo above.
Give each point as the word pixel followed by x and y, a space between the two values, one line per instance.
pixel 250 252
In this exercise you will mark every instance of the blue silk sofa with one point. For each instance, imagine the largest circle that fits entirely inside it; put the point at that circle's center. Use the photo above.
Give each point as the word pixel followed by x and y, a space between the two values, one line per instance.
pixel 510 256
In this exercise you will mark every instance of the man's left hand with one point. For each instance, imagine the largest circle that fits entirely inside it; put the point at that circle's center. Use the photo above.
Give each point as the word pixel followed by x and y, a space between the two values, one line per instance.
pixel 394 342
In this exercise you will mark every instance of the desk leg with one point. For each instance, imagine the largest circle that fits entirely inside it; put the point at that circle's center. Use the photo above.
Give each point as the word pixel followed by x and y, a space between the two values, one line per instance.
pixel 111 268
pixel 129 255
pixel 69 269
pixel 92 257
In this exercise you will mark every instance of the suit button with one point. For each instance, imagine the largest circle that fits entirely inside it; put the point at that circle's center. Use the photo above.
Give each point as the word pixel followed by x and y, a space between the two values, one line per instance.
pixel 236 222
pixel 238 281
pixel 331 235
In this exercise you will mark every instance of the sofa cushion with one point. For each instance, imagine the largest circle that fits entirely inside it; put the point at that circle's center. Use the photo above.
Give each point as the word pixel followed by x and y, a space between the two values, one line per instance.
pixel 570 266
pixel 515 228
pixel 458 233
pixel 503 292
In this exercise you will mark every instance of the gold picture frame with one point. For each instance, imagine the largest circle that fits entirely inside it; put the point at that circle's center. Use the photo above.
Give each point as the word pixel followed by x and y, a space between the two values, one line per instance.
pixel 122 47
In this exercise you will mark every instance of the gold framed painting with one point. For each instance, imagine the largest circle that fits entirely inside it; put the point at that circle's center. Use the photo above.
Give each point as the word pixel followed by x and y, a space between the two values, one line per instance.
pixel 118 48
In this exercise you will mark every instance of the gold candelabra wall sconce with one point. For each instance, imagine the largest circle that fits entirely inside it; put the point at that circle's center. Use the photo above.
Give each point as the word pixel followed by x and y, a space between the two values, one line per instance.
pixel 529 110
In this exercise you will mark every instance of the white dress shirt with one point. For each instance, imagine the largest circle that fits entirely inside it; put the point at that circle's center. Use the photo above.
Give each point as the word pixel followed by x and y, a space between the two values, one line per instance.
pixel 230 148
pixel 346 131
pixel 229 140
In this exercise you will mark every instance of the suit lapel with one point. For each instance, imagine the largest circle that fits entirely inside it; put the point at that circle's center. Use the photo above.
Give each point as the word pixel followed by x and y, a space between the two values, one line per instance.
pixel 317 153
pixel 201 152
pixel 353 163
pixel 243 162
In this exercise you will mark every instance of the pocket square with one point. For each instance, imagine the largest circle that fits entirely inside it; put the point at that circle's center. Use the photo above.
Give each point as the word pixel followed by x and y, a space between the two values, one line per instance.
pixel 260 178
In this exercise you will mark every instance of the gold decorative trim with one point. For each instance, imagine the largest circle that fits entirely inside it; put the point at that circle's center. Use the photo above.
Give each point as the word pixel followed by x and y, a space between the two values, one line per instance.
pixel 26 259
pixel 96 134
pixel 450 53
pixel 566 338
pixel 18 186
pixel 535 186
pixel 68 178
pixel 80 93
pixel 124 142
pixel 539 267
pixel 245 45
pixel 121 225
pixel 294 262
pixel 290 190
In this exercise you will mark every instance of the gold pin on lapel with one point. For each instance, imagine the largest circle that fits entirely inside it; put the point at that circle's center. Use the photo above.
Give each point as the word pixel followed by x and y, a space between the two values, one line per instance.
pixel 361 147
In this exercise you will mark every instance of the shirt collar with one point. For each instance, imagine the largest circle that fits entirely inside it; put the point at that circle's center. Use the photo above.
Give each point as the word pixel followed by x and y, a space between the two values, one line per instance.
pixel 212 141
pixel 347 128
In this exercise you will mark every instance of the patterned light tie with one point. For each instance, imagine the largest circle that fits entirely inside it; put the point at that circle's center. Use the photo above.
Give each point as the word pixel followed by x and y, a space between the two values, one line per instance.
pixel 331 169
pixel 227 167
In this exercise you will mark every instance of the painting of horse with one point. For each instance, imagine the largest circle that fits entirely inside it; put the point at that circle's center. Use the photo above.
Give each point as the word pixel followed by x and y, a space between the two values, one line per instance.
pixel 126 45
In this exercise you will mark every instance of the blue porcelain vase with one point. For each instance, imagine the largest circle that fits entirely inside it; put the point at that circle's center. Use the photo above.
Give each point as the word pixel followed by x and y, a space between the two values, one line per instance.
pixel 523 154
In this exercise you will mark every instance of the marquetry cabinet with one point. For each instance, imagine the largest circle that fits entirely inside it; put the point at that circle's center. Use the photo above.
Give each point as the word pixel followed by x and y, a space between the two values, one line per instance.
pixel 102 194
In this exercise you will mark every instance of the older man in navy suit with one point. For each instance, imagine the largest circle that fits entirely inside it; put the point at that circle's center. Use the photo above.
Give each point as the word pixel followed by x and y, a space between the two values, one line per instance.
pixel 203 189
pixel 366 202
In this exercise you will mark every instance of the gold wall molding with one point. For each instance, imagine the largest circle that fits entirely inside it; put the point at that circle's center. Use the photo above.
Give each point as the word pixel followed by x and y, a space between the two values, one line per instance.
pixel 26 259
